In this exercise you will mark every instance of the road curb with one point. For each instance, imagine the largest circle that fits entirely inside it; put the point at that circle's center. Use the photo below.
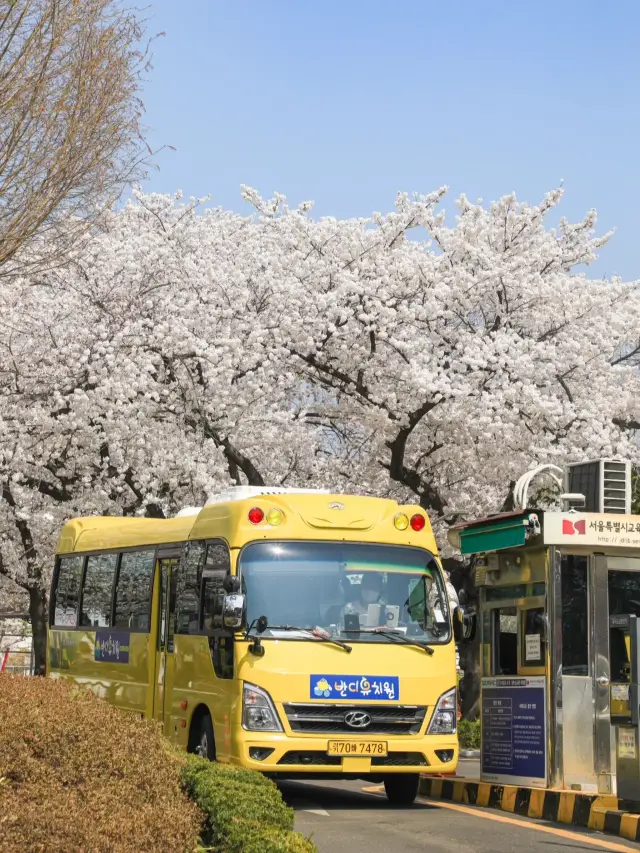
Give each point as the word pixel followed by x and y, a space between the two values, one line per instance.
pixel 589 811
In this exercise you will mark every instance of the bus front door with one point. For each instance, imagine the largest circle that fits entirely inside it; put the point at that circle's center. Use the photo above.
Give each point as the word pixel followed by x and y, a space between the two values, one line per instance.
pixel 164 669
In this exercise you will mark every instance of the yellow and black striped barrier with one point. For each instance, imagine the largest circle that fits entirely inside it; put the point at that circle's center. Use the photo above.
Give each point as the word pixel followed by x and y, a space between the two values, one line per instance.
pixel 590 811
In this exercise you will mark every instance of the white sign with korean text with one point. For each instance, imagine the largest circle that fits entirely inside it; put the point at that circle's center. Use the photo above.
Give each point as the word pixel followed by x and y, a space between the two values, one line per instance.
pixel 532 647
pixel 626 743
pixel 591 528
pixel 620 692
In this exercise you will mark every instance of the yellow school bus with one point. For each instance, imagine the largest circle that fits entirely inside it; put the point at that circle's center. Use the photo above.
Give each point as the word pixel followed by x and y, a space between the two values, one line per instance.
pixel 298 633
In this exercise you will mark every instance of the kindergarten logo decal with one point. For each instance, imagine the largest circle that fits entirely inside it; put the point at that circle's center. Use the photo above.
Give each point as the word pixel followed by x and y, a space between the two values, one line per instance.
pixel 569 528
pixel 112 646
pixel 383 687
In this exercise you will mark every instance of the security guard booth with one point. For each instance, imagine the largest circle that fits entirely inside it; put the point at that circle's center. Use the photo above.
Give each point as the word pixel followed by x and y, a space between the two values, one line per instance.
pixel 559 593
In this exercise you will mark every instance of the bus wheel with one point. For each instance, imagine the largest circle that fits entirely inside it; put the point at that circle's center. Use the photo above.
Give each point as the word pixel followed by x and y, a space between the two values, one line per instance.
pixel 201 741
pixel 402 789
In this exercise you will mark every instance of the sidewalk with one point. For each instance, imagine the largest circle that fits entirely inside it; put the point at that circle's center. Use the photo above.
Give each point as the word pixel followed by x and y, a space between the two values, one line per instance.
pixel 468 768
pixel 590 811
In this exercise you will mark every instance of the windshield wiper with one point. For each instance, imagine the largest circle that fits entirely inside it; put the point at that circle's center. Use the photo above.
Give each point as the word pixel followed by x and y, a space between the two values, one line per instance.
pixel 394 635
pixel 318 633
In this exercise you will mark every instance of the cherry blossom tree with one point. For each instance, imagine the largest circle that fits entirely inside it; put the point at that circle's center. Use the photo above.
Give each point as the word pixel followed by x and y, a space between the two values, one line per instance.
pixel 455 365
pixel 137 380
pixel 458 363
pixel 184 349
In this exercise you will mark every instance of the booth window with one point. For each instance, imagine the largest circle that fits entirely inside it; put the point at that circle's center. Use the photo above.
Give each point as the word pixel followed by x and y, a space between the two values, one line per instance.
pixel 624 599
pixel 575 619
pixel 533 637
pixel 505 641
pixel 624 593
pixel 498 593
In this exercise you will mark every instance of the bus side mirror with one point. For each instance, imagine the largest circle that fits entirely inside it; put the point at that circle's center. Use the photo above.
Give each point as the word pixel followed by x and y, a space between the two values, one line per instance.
pixel 231 584
pixel 464 626
pixel 234 612
pixel 458 624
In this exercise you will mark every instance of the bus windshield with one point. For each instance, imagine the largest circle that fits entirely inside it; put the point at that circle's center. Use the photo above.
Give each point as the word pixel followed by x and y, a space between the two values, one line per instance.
pixel 361 592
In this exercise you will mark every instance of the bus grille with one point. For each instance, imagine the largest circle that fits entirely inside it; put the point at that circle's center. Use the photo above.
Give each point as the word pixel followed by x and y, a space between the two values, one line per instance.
pixel 316 758
pixel 331 719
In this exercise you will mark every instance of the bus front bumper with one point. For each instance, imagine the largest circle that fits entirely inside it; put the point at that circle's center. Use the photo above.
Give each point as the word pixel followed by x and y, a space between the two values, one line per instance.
pixel 284 756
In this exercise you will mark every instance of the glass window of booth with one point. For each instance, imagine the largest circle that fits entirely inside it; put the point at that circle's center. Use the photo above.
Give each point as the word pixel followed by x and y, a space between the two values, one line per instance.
pixel 534 646
pixel 505 641
pixel 575 615
pixel 624 599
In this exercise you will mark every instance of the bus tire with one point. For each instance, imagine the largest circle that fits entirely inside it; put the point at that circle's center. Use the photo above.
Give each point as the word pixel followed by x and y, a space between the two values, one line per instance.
pixel 402 788
pixel 202 741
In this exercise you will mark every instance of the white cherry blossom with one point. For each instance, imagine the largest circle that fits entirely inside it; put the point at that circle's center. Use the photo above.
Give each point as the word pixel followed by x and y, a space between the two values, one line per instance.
pixel 184 350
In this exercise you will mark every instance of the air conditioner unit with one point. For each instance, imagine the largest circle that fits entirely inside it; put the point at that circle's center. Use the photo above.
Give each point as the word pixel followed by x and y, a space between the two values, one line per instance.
pixel 605 484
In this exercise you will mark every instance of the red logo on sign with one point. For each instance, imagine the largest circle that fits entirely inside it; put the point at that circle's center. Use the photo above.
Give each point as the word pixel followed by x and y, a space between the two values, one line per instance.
pixel 571 527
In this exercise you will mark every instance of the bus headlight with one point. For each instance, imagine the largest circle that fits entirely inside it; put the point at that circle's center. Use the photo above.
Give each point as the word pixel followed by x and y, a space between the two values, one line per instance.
pixel 443 721
pixel 258 712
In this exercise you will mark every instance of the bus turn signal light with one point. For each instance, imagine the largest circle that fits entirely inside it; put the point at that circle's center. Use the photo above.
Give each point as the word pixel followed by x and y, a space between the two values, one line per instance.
pixel 418 522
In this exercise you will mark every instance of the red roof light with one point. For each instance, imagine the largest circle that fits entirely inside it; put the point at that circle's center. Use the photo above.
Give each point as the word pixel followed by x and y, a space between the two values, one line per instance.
pixel 256 515
pixel 418 522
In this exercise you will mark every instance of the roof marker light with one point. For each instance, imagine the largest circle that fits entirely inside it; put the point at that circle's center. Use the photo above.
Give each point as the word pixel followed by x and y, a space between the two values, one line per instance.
pixel 418 522
pixel 275 517
pixel 401 521
pixel 256 515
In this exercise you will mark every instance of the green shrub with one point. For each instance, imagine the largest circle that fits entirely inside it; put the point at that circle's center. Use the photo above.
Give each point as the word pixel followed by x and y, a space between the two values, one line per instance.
pixel 79 775
pixel 469 734
pixel 245 812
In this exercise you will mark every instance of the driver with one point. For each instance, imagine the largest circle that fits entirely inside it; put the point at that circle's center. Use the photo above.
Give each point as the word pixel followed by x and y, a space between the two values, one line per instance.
pixel 369 593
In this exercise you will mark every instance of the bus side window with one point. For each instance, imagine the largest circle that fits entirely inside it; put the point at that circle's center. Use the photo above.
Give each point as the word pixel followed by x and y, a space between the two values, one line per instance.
pixel 67 592
pixel 97 591
pixel 216 568
pixel 171 621
pixel 188 587
pixel 133 591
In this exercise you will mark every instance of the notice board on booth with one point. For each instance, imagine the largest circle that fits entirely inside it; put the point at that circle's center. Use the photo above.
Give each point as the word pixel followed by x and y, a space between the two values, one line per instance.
pixel 514 731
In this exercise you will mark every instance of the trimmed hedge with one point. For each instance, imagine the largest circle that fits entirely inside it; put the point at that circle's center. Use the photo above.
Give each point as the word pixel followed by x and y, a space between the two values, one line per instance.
pixel 79 776
pixel 245 812
pixel 469 734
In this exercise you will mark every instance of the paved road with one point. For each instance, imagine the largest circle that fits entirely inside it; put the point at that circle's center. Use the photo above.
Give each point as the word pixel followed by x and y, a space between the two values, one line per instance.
pixel 344 817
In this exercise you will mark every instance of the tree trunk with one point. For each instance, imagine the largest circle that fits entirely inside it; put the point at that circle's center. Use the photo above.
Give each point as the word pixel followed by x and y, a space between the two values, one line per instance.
pixel 463 578
pixel 470 664
pixel 38 614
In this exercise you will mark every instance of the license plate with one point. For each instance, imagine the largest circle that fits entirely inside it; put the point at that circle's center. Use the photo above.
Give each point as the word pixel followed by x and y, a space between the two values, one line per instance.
pixel 356 747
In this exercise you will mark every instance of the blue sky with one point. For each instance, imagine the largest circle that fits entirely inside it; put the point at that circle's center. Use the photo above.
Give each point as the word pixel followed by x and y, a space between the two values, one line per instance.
pixel 346 103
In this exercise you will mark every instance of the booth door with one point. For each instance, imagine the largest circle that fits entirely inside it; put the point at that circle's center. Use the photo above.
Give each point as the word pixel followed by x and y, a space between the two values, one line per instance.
pixel 615 593
pixel 575 716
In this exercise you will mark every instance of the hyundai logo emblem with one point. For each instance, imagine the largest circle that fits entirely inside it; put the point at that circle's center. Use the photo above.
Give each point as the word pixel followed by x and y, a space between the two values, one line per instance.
pixel 357 719
pixel 336 505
